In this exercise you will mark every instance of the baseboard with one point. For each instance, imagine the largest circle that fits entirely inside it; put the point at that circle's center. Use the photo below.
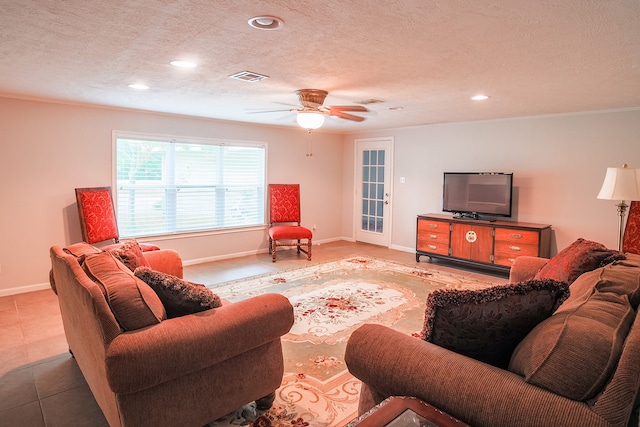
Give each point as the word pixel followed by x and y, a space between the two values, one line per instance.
pixel 402 248
pixel 24 289
pixel 247 253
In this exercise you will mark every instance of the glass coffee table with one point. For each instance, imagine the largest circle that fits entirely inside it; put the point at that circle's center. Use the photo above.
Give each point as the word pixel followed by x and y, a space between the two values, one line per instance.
pixel 404 411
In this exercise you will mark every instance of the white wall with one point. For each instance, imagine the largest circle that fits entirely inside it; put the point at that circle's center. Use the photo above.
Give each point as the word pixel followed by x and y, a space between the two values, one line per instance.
pixel 559 163
pixel 49 149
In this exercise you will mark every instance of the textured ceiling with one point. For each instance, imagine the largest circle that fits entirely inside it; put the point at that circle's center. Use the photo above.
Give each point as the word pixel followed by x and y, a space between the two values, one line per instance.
pixel 531 56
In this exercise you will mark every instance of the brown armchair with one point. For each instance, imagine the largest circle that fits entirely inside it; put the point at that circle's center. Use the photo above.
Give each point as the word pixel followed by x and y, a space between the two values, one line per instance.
pixel 187 370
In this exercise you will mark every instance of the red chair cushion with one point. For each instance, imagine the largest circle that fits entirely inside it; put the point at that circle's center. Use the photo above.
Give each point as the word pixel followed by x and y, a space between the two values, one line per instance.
pixel 631 240
pixel 289 232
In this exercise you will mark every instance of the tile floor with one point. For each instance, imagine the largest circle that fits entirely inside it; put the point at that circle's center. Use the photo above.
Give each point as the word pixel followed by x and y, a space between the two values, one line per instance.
pixel 40 383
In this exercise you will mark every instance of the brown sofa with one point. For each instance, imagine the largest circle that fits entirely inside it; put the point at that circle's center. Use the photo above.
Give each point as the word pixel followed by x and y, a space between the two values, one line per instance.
pixel 562 349
pixel 187 370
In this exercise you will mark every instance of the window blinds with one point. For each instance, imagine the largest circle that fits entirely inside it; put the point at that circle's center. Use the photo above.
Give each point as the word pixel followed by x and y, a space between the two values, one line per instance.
pixel 167 187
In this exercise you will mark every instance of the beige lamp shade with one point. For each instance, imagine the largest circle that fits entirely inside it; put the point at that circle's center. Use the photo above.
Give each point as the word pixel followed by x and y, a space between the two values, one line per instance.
pixel 621 184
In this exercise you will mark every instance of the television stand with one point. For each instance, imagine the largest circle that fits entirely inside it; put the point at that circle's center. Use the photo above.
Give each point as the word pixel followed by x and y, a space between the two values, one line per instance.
pixel 488 244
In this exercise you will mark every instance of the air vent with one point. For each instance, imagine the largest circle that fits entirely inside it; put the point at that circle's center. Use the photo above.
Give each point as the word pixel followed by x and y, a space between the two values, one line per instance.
pixel 248 76
pixel 369 101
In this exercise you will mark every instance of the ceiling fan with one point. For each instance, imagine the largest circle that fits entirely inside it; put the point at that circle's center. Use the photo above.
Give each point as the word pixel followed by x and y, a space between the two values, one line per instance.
pixel 312 112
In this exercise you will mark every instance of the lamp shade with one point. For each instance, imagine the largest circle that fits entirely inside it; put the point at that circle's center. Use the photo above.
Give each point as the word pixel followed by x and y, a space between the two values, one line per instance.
pixel 310 119
pixel 621 184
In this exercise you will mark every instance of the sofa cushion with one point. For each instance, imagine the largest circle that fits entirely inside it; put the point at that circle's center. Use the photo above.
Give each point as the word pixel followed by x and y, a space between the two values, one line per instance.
pixel 82 248
pixel 130 254
pixel 179 296
pixel 133 303
pixel 573 353
pixel 620 277
pixel 577 258
pixel 487 324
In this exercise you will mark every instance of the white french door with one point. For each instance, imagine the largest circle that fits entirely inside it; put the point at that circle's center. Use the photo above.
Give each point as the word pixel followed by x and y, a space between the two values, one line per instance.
pixel 372 203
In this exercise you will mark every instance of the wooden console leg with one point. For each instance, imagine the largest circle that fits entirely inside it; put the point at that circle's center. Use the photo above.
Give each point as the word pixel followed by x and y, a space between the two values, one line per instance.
pixel 265 403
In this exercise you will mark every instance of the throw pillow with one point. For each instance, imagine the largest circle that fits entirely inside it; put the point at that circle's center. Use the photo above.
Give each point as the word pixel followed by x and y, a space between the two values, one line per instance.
pixel 574 353
pixel 130 254
pixel 179 296
pixel 487 324
pixel 578 258
pixel 133 303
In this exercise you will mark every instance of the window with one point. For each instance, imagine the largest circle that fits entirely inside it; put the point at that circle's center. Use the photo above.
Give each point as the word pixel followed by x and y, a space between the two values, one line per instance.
pixel 167 186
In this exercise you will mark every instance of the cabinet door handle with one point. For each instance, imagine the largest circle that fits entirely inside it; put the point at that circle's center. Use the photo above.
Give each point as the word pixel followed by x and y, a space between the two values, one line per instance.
pixel 432 247
pixel 516 236
pixel 433 236
pixel 511 260
pixel 433 225
pixel 515 248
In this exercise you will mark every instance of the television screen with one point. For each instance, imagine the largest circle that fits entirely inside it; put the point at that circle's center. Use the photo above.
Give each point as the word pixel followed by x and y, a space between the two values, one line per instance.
pixel 477 193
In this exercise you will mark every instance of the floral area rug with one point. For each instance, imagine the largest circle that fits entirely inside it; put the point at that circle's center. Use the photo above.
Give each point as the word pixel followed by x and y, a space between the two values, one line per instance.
pixel 330 301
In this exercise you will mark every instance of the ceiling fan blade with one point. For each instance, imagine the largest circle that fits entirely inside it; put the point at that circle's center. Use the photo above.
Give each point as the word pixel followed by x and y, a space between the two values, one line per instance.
pixel 349 108
pixel 346 116
pixel 269 111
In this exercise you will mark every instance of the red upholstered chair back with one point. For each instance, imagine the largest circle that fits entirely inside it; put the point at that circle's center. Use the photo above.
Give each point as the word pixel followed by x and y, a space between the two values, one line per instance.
pixel 97 216
pixel 284 203
pixel 631 239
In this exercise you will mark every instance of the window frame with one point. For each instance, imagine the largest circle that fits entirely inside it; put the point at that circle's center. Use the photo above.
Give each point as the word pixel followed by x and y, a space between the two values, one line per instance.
pixel 117 134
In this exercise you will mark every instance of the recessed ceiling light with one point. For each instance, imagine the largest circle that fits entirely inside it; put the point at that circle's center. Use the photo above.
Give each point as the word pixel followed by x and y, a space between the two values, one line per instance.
pixel 266 22
pixel 479 97
pixel 183 64
pixel 138 86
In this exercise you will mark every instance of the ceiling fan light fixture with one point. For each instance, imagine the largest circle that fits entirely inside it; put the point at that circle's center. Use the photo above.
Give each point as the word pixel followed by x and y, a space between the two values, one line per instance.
pixel 310 120
pixel 266 22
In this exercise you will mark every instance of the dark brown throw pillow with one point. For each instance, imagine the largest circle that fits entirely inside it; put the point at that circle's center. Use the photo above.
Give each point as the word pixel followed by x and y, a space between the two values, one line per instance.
pixel 487 324
pixel 178 296
pixel 578 258
pixel 130 254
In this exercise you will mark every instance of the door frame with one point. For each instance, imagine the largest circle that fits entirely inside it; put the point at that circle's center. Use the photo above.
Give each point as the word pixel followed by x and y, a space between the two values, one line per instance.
pixel 387 142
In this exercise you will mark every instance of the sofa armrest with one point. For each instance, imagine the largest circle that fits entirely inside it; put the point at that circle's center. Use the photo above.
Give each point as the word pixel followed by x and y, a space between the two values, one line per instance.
pixel 165 260
pixel 391 363
pixel 525 268
pixel 140 359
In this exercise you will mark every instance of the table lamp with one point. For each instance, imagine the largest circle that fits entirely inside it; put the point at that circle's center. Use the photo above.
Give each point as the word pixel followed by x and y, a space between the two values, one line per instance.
pixel 621 184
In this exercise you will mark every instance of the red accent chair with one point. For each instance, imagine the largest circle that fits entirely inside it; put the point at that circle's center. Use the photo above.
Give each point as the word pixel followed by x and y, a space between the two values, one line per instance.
pixel 631 238
pixel 284 211
pixel 98 217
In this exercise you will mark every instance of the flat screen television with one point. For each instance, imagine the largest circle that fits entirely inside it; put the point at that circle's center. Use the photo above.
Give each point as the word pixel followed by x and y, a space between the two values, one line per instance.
pixel 472 194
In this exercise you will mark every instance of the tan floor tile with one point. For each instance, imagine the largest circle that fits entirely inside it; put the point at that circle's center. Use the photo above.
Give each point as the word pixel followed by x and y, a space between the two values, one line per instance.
pixel 45 296
pixel 28 415
pixel 50 347
pixel 7 303
pixel 17 388
pixel 75 407
pixel 11 335
pixel 38 329
pixel 57 375
pixel 12 358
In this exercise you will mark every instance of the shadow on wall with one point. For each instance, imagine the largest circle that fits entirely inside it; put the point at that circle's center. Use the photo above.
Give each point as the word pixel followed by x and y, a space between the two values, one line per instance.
pixel 71 224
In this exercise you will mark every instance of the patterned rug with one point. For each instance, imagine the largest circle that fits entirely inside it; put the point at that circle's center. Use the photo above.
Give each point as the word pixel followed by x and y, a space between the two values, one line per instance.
pixel 331 300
